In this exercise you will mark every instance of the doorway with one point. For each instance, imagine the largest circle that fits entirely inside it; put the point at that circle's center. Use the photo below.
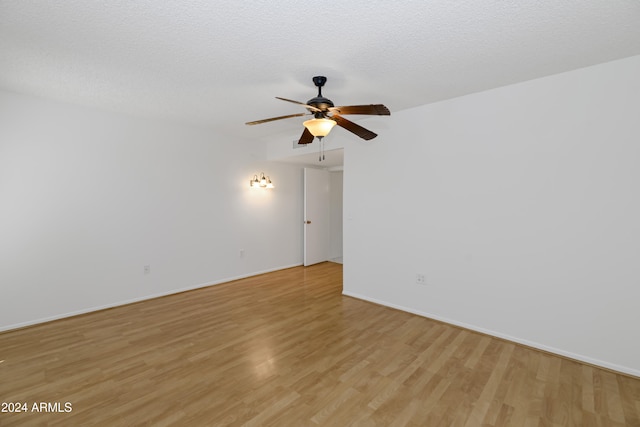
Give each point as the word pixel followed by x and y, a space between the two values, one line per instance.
pixel 322 216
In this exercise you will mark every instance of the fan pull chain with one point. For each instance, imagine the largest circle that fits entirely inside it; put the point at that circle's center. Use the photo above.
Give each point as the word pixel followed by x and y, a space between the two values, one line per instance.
pixel 321 149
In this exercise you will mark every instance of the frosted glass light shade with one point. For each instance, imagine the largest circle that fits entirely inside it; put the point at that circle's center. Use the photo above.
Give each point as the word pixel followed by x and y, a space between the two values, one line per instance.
pixel 319 127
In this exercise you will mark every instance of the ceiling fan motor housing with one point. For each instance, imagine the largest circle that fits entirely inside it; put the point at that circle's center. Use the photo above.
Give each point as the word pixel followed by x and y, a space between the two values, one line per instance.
pixel 321 103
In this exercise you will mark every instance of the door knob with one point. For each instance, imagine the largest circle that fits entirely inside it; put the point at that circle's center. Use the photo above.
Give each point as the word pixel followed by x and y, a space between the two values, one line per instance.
pixel 307 222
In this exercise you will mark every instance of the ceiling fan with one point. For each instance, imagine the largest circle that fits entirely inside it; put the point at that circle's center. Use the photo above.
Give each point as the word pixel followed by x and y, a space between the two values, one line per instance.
pixel 326 116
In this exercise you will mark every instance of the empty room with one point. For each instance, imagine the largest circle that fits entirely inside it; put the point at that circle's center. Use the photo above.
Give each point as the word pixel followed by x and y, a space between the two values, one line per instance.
pixel 320 213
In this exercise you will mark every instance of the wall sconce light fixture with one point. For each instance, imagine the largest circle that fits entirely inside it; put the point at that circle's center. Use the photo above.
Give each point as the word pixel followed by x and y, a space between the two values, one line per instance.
pixel 261 182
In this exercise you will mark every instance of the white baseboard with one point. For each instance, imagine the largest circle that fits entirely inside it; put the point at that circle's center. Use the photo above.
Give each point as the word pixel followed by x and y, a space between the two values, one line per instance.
pixel 134 300
pixel 581 358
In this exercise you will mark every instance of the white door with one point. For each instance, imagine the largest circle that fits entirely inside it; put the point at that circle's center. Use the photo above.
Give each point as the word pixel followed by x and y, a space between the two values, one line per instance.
pixel 316 216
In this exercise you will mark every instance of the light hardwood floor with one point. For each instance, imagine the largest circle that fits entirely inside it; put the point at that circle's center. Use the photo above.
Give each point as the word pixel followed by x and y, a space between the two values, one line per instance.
pixel 287 349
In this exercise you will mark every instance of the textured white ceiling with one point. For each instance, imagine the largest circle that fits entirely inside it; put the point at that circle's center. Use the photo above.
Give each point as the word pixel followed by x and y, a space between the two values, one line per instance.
pixel 221 63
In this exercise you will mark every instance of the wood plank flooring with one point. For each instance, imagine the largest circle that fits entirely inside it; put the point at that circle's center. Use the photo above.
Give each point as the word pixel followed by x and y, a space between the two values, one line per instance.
pixel 287 349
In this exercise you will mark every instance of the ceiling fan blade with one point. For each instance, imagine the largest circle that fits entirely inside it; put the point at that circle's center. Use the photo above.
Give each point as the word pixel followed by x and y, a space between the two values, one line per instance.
pixel 372 109
pixel 353 128
pixel 312 108
pixel 306 138
pixel 257 122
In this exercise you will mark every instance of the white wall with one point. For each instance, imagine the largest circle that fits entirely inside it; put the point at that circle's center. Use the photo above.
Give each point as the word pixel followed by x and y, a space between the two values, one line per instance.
pixel 520 205
pixel 87 198
pixel 335 214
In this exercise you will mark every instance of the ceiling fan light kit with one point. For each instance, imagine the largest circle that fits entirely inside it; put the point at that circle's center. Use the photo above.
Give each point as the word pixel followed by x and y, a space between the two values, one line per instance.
pixel 319 127
pixel 326 116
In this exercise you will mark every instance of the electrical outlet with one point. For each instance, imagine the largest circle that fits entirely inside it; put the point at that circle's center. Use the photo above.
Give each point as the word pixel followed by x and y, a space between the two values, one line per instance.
pixel 147 269
pixel 241 253
pixel 420 279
